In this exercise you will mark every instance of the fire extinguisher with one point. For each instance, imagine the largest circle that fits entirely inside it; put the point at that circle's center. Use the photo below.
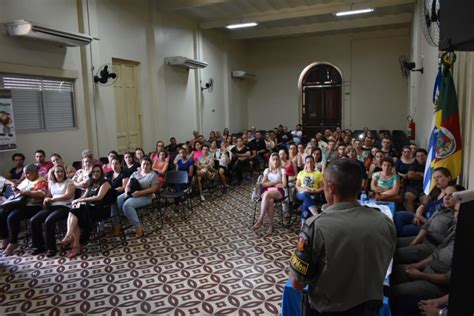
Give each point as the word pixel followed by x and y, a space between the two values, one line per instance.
pixel 411 128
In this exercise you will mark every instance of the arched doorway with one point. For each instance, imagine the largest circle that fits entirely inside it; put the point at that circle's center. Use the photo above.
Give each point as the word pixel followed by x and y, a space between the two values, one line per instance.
pixel 321 97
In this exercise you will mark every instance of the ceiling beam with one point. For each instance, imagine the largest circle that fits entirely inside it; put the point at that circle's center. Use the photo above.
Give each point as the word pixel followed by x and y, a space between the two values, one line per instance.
pixel 395 19
pixel 175 5
pixel 300 12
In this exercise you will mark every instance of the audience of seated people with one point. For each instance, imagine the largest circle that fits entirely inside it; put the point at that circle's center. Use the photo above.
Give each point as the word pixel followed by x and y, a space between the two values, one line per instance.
pixel 425 223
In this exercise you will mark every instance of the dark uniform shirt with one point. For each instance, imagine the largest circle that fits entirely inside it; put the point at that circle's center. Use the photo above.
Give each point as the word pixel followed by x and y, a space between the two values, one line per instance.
pixel 443 255
pixel 343 254
pixel 438 225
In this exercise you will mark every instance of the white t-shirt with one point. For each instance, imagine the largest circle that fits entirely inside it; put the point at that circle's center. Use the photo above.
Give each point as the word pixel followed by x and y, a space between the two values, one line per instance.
pixel 274 177
pixel 297 136
pixel 218 155
pixel 58 189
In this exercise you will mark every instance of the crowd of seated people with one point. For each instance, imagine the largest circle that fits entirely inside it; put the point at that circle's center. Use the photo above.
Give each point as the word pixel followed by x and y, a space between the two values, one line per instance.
pixel 290 159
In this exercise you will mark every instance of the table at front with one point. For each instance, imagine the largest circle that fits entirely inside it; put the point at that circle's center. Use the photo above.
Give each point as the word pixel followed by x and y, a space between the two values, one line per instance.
pixel 291 302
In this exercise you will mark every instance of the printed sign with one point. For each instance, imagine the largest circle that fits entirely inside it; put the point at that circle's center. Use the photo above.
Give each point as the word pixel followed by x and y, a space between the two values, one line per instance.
pixel 7 125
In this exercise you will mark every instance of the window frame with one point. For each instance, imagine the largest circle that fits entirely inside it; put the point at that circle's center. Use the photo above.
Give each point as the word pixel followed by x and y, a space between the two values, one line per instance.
pixel 43 104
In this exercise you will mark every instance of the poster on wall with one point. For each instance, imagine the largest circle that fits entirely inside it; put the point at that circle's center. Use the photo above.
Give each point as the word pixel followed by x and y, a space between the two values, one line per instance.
pixel 7 125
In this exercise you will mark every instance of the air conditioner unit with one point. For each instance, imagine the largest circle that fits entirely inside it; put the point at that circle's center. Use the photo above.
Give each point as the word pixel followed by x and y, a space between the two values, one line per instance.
pixel 241 74
pixel 24 28
pixel 185 62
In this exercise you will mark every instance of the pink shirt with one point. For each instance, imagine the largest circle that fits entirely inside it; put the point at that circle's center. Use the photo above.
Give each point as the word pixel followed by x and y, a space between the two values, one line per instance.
pixel 43 168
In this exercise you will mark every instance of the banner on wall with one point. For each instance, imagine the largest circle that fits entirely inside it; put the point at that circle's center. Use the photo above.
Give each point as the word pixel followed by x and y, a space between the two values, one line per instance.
pixel 7 125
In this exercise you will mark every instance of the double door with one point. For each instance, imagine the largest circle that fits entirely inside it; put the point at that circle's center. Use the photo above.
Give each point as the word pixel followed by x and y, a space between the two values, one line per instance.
pixel 322 108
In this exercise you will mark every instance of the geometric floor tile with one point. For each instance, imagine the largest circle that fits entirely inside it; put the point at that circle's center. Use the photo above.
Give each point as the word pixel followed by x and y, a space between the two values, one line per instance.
pixel 211 263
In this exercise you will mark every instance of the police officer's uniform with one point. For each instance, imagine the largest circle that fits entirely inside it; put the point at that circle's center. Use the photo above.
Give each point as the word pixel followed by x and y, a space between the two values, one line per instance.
pixel 343 254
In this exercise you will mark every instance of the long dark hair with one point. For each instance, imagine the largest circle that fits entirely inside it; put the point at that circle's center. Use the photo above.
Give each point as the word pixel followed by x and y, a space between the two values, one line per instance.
pixel 101 180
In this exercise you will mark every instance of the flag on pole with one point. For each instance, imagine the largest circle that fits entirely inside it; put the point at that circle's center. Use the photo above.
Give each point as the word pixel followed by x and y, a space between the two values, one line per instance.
pixel 445 147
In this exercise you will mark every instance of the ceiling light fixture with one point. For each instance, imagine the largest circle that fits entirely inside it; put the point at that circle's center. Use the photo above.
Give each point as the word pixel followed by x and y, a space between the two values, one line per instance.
pixel 241 25
pixel 343 13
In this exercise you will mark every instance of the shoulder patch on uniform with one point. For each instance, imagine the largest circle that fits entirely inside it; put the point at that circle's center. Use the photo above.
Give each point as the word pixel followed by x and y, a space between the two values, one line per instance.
pixel 303 241
pixel 299 265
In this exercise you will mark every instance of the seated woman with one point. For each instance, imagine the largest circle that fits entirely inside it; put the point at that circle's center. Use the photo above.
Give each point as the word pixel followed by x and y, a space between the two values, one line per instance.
pixel 273 184
pixel 57 160
pixel 32 190
pixel 129 165
pixel 139 154
pixel 91 207
pixel 222 159
pixel 291 172
pixel 376 166
pixel 408 223
pixel 160 145
pixel 386 184
pixel 318 159
pixel 301 155
pixel 160 166
pixel 16 173
pixel 118 179
pixel 431 234
pixel 108 167
pixel 81 178
pixel 197 152
pixel 204 168
pixel 403 164
pixel 56 206
pixel 309 183
pixel 130 201
pixel 213 147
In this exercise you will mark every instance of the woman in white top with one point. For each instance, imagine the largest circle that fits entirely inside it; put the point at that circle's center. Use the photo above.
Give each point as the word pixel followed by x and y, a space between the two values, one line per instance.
pixel 81 178
pixel 57 204
pixel 129 201
pixel 222 158
pixel 205 168
pixel 273 188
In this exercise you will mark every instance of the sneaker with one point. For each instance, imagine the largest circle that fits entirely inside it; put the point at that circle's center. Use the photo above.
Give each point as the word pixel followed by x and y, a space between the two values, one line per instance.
pixel 203 199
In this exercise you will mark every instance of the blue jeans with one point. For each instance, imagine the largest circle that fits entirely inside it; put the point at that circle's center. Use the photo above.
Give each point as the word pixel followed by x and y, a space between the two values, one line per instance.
pixel 308 201
pixel 129 207
pixel 403 223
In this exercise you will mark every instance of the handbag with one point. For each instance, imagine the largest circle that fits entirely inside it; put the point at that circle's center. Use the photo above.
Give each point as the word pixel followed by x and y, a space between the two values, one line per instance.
pixel 257 190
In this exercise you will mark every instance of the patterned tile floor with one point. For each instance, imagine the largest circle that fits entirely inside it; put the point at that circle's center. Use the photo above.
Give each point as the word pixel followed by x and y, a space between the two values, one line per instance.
pixel 212 263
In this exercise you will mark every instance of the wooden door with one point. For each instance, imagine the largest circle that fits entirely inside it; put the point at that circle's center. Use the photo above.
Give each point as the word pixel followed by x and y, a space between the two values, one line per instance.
pixel 127 106
pixel 321 108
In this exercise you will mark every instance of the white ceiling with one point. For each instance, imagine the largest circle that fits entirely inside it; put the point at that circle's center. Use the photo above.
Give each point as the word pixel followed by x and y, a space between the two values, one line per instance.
pixel 291 17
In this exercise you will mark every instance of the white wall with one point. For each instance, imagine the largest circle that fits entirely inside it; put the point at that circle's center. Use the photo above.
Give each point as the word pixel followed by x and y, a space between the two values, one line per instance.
pixel 366 60
pixel 170 98
pixel 26 54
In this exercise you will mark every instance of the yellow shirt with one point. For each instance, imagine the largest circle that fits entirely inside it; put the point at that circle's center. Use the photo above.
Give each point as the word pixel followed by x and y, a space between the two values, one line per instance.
pixel 310 180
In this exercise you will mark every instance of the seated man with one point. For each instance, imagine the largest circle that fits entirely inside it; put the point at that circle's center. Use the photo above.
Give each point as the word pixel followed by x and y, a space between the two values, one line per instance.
pixel 242 153
pixel 387 149
pixel 43 165
pixel 414 185
pixel 426 279
pixel 432 233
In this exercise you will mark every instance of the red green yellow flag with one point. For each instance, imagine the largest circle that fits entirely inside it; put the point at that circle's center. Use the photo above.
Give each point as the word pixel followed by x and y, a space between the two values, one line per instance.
pixel 449 143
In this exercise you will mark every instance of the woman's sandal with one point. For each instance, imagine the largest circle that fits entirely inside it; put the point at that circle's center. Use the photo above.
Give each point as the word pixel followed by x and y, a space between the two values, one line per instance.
pixel 66 240
pixel 74 253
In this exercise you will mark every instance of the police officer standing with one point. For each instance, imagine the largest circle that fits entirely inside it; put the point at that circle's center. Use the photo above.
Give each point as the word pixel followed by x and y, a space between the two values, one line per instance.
pixel 343 253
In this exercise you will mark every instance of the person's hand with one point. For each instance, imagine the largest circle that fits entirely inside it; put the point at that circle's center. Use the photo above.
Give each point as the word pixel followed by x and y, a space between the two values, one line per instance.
pixel 417 220
pixel 413 266
pixel 414 273
pixel 137 193
pixel 428 309
pixel 433 302
pixel 47 201
pixel 75 202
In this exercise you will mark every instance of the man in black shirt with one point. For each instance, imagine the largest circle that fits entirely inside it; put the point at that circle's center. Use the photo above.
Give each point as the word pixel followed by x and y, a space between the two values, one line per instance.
pixel 242 153
pixel 284 138
pixel 414 186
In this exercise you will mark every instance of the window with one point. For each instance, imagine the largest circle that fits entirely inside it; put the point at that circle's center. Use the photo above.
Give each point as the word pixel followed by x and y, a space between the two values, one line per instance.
pixel 40 103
